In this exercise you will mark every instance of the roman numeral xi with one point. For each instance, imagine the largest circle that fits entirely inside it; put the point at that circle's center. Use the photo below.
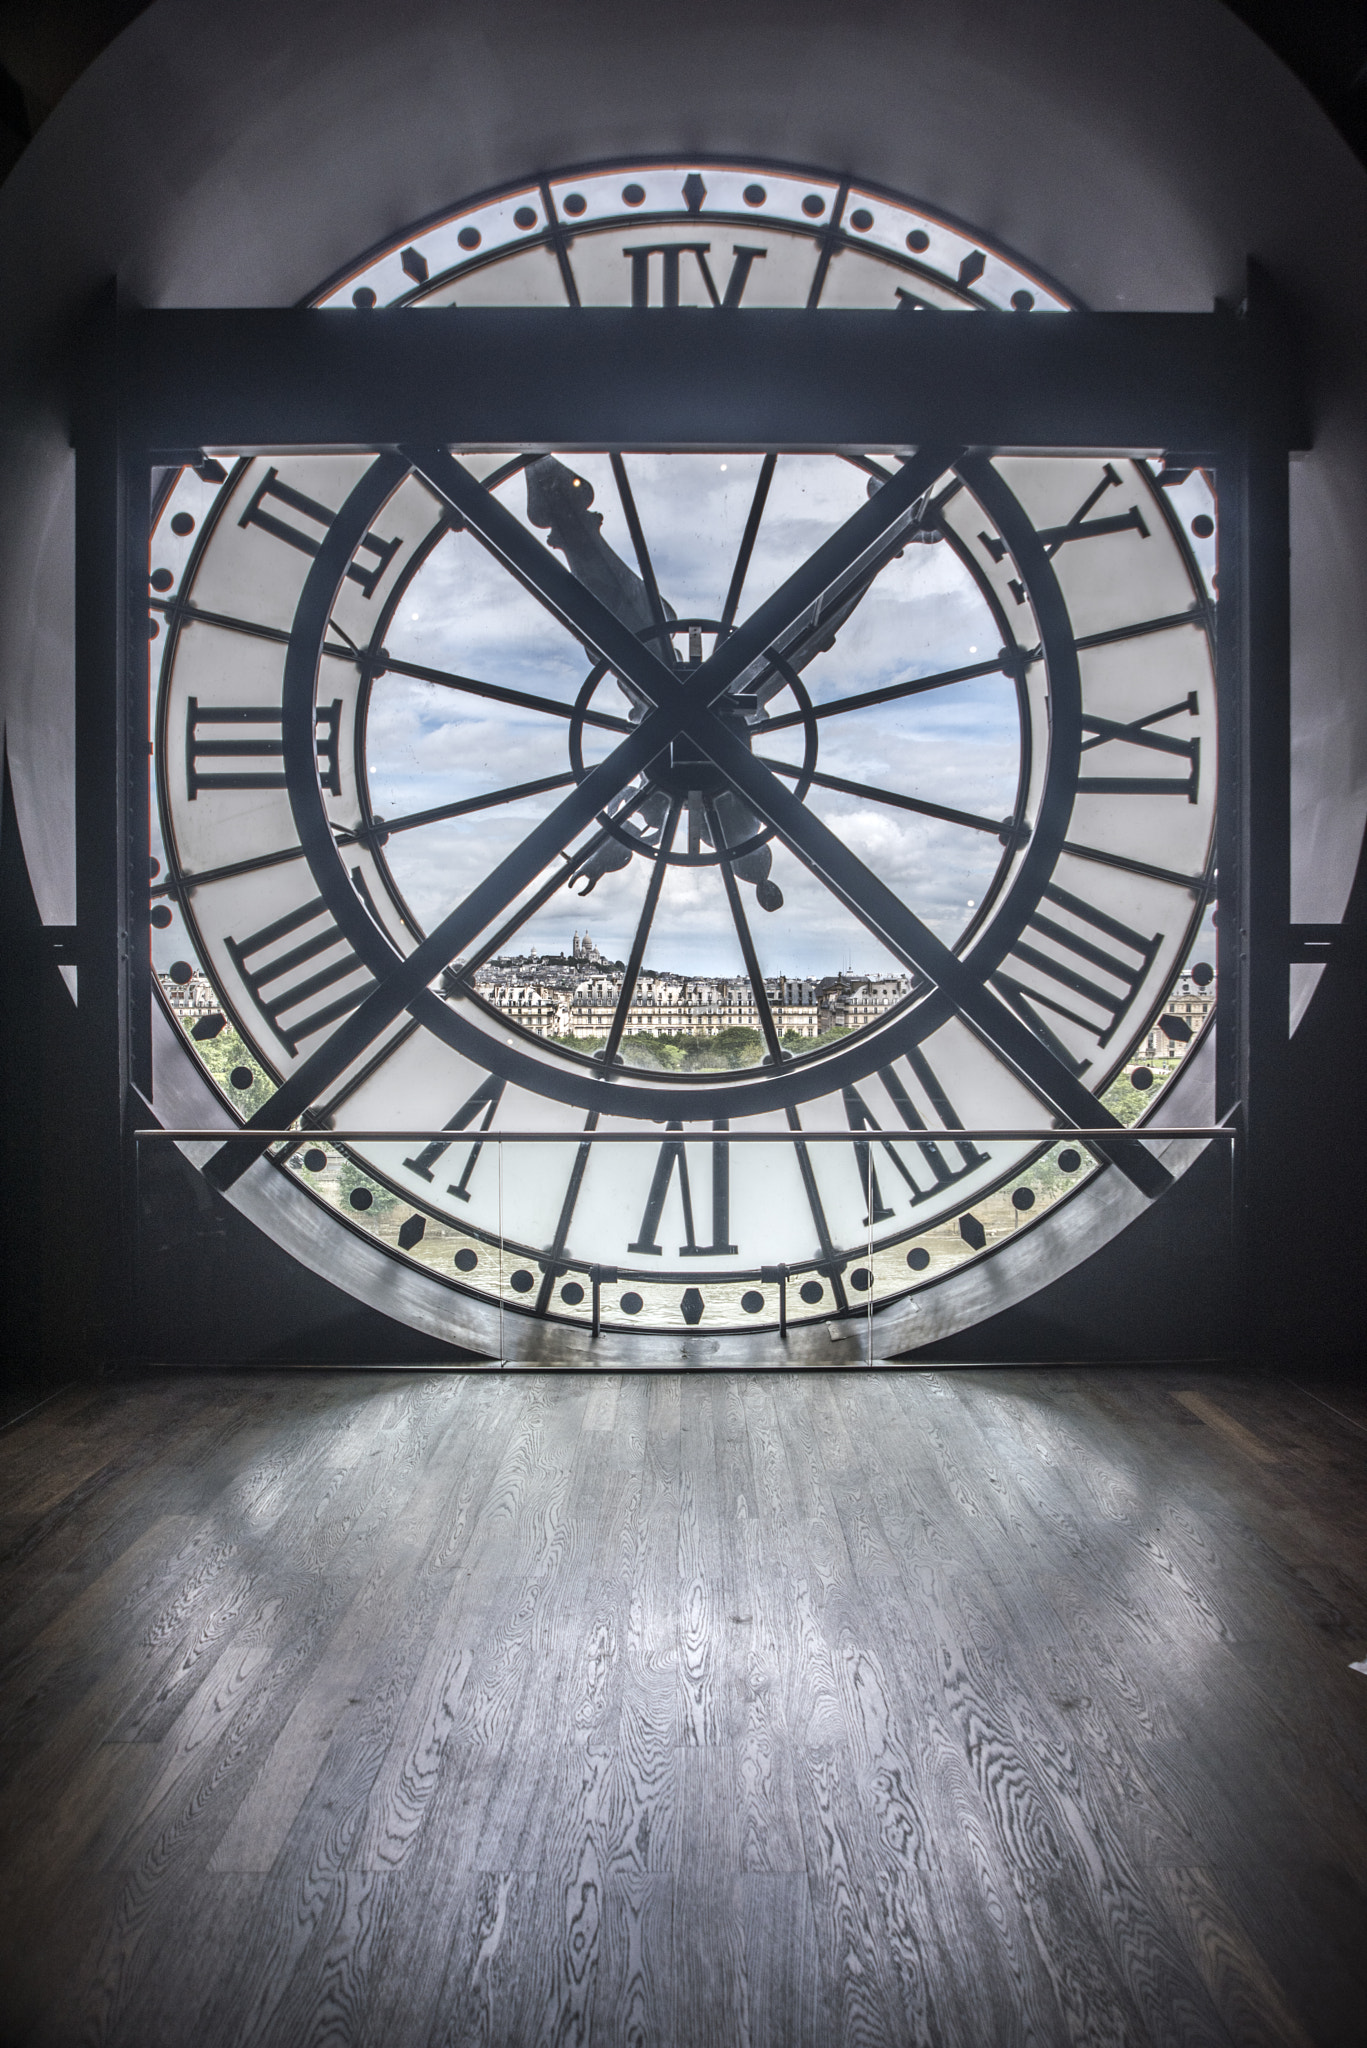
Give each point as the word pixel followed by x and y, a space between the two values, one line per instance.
pixel 258 513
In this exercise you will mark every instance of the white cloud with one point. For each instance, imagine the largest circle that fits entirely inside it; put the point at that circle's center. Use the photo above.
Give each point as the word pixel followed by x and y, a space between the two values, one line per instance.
pixel 958 747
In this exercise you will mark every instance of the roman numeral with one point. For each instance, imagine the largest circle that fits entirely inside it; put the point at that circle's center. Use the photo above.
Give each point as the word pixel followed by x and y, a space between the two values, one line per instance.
pixel 940 1171
pixel 673 1159
pixel 232 743
pixel 256 514
pixel 743 260
pixel 286 986
pixel 860 1117
pixel 1136 733
pixel 482 1104
pixel 1079 527
pixel 1066 984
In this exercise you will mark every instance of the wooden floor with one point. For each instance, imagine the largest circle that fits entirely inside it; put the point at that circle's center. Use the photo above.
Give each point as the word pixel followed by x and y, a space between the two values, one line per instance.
pixel 961 1708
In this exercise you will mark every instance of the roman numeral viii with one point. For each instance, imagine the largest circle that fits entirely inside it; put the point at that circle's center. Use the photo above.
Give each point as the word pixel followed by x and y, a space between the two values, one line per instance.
pixel 1072 985
pixel 290 982
pixel 243 733
pixel 258 513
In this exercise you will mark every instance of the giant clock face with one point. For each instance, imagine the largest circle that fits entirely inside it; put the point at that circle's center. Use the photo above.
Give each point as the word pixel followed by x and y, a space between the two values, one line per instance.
pixel 682 798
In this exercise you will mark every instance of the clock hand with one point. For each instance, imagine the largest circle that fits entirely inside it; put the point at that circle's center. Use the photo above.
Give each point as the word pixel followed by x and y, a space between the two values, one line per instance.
pixel 561 502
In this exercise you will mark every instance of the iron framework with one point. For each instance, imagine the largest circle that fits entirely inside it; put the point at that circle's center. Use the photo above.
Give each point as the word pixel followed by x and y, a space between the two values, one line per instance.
pixel 1218 390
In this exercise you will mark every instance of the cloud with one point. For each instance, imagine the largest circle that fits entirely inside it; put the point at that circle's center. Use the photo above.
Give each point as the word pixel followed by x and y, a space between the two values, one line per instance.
pixel 959 747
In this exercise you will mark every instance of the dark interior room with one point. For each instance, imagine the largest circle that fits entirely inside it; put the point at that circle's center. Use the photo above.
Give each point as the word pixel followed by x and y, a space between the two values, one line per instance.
pixel 565 723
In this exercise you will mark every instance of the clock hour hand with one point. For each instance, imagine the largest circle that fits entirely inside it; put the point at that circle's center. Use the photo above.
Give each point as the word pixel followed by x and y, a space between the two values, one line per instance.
pixel 562 503
pixel 808 638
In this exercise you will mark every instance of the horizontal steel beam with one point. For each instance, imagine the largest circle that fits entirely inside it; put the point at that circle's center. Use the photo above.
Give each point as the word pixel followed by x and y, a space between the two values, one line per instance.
pixel 478 377
pixel 1149 1134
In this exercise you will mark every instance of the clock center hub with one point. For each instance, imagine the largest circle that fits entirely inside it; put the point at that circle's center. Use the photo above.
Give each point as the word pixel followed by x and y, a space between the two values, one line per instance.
pixel 683 769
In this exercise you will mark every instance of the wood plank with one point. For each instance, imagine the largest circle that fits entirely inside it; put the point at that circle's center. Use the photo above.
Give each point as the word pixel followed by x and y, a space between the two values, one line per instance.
pixel 872 1707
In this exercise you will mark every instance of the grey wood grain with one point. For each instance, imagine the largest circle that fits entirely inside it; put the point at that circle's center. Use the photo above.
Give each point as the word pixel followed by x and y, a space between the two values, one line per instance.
pixel 935 1708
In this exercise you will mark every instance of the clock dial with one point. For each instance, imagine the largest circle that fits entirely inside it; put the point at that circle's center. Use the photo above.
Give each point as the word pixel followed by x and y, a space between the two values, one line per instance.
pixel 690 800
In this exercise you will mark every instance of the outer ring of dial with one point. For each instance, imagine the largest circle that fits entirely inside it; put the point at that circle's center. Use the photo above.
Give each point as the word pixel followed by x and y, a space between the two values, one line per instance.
pixel 577 1084
pixel 832 232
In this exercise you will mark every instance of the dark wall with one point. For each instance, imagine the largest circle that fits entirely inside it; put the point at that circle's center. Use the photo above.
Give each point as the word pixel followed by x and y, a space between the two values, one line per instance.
pixel 49 1314
pixel 1161 1290
pixel 212 1288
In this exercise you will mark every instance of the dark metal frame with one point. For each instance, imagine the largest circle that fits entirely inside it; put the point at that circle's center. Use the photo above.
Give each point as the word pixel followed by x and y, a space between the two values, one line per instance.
pixel 1217 389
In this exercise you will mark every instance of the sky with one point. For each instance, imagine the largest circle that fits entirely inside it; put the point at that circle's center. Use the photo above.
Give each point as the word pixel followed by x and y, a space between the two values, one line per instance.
pixel 428 744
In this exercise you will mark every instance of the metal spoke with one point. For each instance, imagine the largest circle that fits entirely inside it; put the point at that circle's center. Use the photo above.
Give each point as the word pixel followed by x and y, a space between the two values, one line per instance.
pixel 499 693
pixel 642 934
pixel 747 541
pixel 515 791
pixel 1198 883
pixel 837 706
pixel 747 943
pixel 180 611
pixel 885 796
pixel 551 1267
pixel 854 553
pixel 492 947
pixel 226 873
pixel 1199 615
pixel 898 928
pixel 409 977
pixel 365 1072
pixel 643 561
pixel 509 469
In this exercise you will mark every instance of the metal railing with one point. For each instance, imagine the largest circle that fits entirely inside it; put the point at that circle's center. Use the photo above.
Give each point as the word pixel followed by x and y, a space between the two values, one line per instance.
pixel 1100 1137
pixel 694 1134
